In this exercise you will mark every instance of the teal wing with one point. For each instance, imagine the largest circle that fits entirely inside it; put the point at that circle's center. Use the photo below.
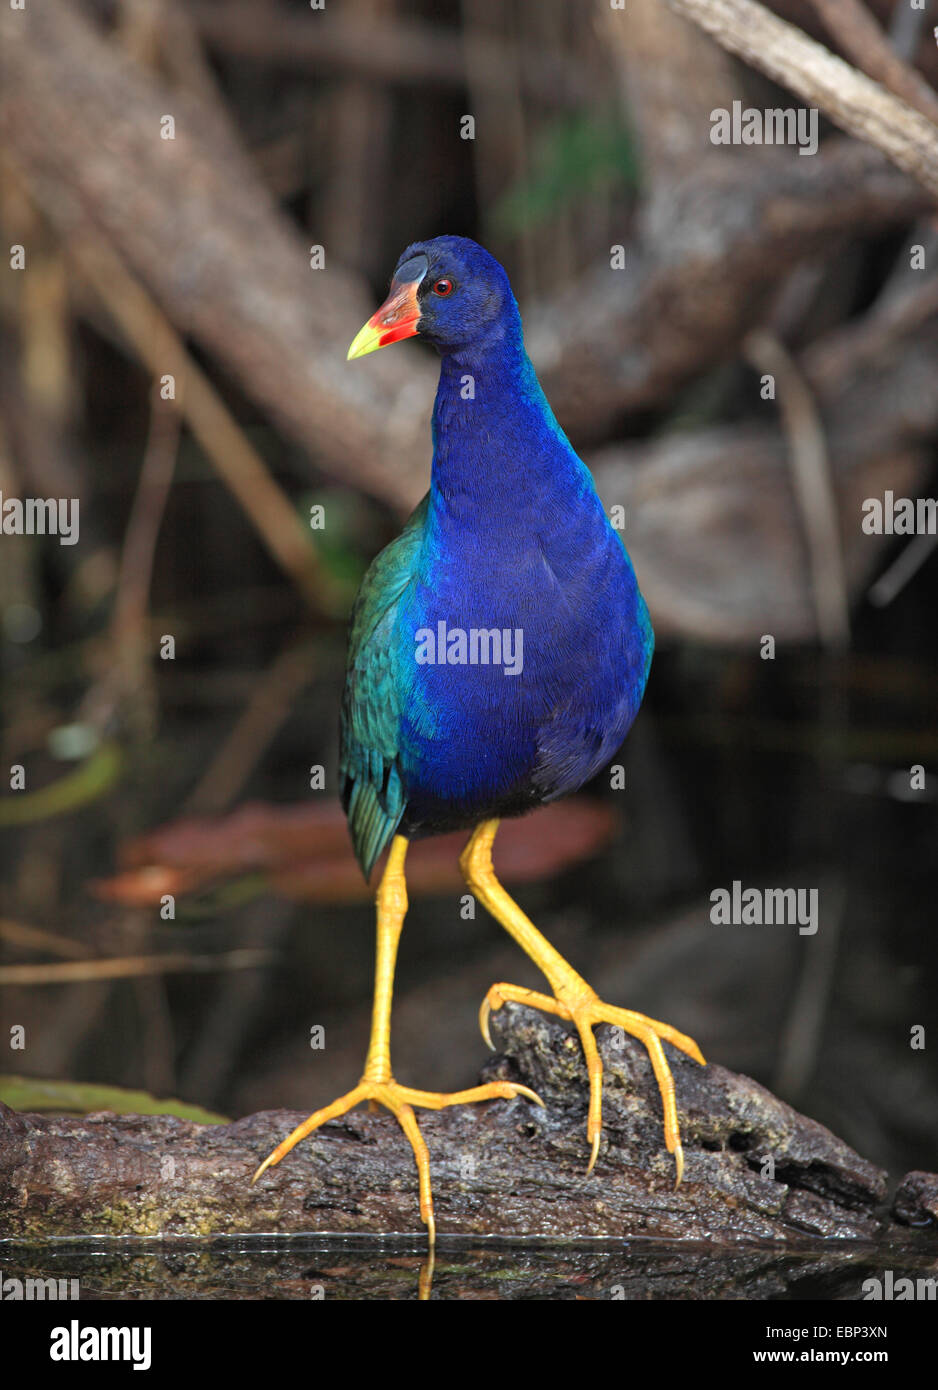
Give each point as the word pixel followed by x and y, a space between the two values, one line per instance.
pixel 372 788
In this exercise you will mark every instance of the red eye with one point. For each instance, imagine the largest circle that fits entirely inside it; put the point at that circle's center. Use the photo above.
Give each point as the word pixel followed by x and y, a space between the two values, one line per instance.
pixel 443 288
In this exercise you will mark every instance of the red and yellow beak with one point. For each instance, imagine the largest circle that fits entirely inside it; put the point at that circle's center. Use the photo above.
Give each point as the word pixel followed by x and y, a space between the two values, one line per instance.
pixel 399 315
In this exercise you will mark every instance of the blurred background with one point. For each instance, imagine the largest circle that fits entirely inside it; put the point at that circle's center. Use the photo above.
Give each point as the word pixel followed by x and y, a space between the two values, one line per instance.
pixel 741 342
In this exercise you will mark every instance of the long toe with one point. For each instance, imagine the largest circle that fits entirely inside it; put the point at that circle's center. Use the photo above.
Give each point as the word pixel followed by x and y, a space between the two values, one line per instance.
pixel 401 1100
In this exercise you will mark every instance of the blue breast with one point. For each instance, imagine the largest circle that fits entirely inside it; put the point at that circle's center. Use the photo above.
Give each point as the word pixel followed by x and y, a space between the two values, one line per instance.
pixel 522 644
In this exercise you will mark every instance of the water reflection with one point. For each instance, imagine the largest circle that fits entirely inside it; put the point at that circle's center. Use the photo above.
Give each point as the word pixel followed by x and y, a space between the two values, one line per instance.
pixel 342 1268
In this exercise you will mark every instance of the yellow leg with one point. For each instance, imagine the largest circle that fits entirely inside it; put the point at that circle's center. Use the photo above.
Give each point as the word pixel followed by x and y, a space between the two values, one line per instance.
pixel 377 1084
pixel 574 999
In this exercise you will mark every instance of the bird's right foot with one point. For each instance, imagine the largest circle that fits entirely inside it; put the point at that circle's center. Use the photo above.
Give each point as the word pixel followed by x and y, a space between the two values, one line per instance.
pixel 400 1100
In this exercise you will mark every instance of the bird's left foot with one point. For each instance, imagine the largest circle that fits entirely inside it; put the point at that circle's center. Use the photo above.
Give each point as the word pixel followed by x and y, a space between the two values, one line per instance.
pixel 583 1007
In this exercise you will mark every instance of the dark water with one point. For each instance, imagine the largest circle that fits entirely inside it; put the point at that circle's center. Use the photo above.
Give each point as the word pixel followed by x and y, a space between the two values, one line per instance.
pixel 340 1269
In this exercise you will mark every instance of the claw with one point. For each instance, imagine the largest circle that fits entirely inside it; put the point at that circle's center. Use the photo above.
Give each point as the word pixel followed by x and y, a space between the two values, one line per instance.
pixel 584 1009
pixel 484 1014
pixel 263 1168
pixel 400 1100
pixel 572 999
pixel 531 1095
pixel 594 1153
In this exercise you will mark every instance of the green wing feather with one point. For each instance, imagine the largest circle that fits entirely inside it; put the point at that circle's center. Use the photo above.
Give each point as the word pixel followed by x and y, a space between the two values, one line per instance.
pixel 372 789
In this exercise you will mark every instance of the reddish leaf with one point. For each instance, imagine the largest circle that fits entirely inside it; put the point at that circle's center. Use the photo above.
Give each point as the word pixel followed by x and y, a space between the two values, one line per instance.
pixel 307 855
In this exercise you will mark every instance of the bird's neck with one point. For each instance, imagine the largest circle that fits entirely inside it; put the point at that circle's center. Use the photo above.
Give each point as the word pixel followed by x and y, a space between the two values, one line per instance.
pixel 498 451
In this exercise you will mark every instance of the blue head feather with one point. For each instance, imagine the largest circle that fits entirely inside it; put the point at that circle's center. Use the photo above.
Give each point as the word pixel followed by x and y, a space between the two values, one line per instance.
pixel 479 310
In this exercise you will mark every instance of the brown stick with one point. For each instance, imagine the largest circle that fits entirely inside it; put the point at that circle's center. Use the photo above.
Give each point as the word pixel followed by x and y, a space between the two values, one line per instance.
pixel 25 937
pixel 851 100
pixel 862 39
pixel 130 967
pixel 269 706
pixel 403 52
pixel 809 458
pixel 671 80
pixel 236 460
pixel 712 258
pixel 192 221
pixel 201 232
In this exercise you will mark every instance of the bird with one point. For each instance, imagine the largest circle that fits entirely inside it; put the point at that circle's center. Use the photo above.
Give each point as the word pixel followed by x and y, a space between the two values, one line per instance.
pixel 499 650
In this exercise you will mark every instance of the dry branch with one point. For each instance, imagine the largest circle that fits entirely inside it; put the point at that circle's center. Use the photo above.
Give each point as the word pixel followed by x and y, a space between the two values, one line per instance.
pixel 858 33
pixel 131 967
pixel 226 445
pixel 712 257
pixel 812 486
pixel 671 80
pixel 852 100
pixel 706 505
pixel 404 52
pixel 193 221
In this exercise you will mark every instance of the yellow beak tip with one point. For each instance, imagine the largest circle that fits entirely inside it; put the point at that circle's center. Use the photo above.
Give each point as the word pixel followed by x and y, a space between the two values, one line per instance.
pixel 366 341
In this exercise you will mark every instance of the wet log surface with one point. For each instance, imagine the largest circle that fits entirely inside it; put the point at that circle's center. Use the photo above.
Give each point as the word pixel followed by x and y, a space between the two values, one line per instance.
pixel 504 1169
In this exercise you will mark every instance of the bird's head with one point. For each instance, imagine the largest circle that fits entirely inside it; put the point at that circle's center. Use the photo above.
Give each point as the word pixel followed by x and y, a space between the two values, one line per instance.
pixel 449 291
